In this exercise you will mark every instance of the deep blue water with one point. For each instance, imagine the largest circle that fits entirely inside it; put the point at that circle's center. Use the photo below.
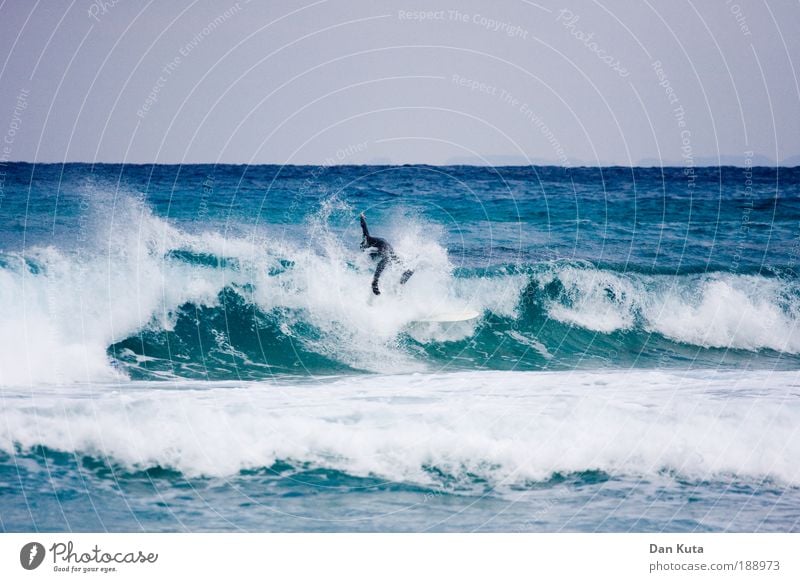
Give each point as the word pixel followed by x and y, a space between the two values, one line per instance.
pixel 148 312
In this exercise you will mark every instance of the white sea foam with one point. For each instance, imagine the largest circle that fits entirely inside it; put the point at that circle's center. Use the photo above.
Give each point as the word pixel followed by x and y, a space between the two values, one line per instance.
pixel 597 300
pixel 58 318
pixel 506 427
pixel 717 310
pixel 745 312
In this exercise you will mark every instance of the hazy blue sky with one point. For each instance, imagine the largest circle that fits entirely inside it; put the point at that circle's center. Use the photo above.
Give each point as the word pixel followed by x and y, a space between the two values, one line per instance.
pixel 376 82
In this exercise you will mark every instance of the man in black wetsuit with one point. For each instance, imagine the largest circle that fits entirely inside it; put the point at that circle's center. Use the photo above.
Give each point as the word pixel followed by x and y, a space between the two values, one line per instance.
pixel 380 249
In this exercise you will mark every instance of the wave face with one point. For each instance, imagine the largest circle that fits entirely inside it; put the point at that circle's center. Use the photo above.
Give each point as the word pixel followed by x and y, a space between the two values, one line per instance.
pixel 224 273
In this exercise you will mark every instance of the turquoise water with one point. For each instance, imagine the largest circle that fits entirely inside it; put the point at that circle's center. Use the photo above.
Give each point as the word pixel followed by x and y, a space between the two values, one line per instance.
pixel 197 348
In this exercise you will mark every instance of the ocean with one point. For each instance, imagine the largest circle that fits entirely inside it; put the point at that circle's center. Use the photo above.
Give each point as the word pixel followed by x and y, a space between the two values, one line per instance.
pixel 197 348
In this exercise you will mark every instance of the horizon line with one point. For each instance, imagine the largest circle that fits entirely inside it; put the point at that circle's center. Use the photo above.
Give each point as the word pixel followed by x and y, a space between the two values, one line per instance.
pixel 386 165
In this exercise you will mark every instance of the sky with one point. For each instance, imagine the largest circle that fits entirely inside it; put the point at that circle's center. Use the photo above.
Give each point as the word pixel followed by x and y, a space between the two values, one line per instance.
pixel 571 83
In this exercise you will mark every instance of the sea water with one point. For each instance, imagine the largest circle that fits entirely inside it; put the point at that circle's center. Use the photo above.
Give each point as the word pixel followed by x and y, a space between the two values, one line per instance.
pixel 198 348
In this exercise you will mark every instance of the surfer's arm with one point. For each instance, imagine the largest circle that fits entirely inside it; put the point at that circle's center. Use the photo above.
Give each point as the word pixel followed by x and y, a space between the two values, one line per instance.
pixel 365 242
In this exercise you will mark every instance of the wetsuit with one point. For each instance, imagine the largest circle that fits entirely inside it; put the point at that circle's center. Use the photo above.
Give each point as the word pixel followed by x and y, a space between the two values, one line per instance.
pixel 380 249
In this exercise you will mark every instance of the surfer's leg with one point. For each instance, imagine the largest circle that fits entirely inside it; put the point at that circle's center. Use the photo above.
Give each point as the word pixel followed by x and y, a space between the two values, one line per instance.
pixel 378 270
pixel 406 276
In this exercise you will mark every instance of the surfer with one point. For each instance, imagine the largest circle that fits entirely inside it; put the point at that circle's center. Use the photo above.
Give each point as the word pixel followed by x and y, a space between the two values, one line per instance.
pixel 379 248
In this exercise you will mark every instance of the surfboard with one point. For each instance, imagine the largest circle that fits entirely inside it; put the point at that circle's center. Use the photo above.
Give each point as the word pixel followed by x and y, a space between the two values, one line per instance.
pixel 449 316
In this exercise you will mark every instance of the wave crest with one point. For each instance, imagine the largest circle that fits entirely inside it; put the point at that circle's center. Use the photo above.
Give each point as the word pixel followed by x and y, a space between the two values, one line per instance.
pixel 144 299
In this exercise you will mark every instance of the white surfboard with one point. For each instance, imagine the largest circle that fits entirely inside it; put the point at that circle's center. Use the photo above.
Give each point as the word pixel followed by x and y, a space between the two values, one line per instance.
pixel 449 316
